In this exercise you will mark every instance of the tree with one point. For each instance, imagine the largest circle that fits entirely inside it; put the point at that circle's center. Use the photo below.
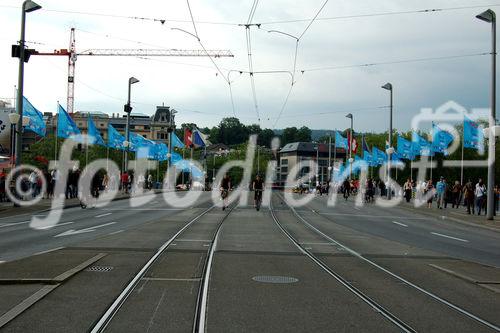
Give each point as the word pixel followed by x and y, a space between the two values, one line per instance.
pixel 304 134
pixel 265 137
pixel 289 135
pixel 232 131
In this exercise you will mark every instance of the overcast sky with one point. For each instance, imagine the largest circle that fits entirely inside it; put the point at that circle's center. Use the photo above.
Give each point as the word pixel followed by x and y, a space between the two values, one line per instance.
pixel 191 85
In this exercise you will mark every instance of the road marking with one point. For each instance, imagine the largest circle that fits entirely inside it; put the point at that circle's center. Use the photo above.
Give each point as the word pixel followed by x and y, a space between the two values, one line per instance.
pixel 57 225
pixel 116 232
pixel 15 223
pixel 85 230
pixel 48 251
pixel 102 215
pixel 376 216
pixel 450 237
pixel 399 223
pixel 194 240
pixel 143 209
pixel 357 208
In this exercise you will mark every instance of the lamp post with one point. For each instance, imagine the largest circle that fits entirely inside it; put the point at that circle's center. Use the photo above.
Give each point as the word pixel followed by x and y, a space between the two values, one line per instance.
pixel 350 116
pixel 28 7
pixel 128 109
pixel 317 163
pixel 14 120
pixel 490 17
pixel 390 150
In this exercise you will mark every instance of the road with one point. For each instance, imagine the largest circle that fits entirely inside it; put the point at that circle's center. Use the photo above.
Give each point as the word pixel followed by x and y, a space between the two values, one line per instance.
pixel 313 268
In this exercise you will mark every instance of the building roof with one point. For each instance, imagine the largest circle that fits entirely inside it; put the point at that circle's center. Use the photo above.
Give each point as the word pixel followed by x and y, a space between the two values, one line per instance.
pixel 308 147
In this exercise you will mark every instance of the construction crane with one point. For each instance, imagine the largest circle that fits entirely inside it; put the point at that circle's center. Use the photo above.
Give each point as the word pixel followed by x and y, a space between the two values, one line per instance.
pixel 72 55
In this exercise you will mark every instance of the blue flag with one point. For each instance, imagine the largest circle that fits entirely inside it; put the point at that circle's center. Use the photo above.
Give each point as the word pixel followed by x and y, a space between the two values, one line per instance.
pixel 473 135
pixel 337 173
pixel 160 151
pixel 379 157
pixel 115 139
pixel 187 166
pixel 340 141
pixel 36 124
pixel 368 157
pixel 66 127
pixel 95 135
pixel 199 139
pixel 441 140
pixel 405 148
pixel 421 146
pixel 176 142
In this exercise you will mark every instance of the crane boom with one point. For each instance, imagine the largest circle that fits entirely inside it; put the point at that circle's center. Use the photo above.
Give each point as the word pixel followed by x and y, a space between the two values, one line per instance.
pixel 156 52
pixel 72 55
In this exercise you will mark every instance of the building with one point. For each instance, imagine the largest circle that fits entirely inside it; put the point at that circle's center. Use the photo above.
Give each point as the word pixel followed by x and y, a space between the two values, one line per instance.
pixel 293 153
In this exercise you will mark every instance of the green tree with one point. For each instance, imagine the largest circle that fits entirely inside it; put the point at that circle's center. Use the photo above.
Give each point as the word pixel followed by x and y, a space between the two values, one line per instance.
pixel 289 135
pixel 304 134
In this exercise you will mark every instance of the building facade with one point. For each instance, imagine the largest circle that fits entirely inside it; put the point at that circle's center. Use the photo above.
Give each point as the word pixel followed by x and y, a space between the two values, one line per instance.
pixel 307 153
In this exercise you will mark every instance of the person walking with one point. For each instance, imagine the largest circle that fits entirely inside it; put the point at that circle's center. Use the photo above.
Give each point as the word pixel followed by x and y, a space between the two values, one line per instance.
pixel 224 190
pixel 407 188
pixel 346 189
pixel 441 192
pixel 480 194
pixel 455 194
pixel 429 190
pixel 469 197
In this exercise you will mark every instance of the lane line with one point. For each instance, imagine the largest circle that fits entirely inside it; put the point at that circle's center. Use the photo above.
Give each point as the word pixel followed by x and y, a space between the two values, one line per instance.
pixel 450 237
pixel 357 208
pixel 15 223
pixel 376 216
pixel 116 232
pixel 401 224
pixel 48 251
pixel 102 215
pixel 55 226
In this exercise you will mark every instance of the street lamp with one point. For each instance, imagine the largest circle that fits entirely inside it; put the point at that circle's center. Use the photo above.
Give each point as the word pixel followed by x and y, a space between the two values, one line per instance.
pixel 388 86
pixel 28 7
pixel 317 163
pixel 128 109
pixel 490 17
pixel 350 144
pixel 14 119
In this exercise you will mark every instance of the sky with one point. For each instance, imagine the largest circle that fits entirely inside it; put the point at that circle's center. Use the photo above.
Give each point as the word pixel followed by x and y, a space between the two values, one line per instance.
pixel 319 99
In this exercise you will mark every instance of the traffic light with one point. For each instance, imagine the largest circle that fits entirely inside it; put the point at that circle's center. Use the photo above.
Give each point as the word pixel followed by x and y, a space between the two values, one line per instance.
pixel 16 52
pixel 127 108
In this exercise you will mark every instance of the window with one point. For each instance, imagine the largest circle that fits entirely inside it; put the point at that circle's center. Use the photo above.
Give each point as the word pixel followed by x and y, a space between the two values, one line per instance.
pixel 284 161
pixel 284 169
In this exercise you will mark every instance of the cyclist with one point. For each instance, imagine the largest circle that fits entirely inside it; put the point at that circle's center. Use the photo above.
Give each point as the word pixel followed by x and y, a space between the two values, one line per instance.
pixel 224 190
pixel 258 187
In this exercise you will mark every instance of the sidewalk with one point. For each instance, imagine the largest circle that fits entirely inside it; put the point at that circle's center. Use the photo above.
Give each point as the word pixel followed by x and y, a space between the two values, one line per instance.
pixel 458 215
pixel 7 208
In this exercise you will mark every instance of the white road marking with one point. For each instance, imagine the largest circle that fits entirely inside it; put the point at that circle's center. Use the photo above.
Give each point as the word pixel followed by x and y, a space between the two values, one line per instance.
pixel 377 216
pixel 116 232
pixel 357 208
pixel 399 223
pixel 85 230
pixel 102 215
pixel 450 237
pixel 11 224
pixel 48 251
pixel 57 225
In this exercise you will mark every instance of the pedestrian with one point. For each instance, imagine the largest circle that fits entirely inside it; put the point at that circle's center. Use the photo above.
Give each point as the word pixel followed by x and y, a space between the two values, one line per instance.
pixel 480 194
pixel 497 198
pixel 455 194
pixel 441 192
pixel 105 182
pixel 3 176
pixel 33 182
pixel 346 189
pixel 124 182
pixel 407 188
pixel 429 190
pixel 469 197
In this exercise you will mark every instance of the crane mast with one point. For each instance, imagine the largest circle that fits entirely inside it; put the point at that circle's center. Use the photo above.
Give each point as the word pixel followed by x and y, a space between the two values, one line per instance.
pixel 72 55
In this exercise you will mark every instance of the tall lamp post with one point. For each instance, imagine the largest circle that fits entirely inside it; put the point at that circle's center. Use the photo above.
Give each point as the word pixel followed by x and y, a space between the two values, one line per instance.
pixel 390 150
pixel 28 7
pixel 490 17
pixel 14 120
pixel 128 109
pixel 350 144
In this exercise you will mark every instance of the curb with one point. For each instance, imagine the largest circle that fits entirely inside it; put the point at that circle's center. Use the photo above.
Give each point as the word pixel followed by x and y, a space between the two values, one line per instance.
pixel 457 220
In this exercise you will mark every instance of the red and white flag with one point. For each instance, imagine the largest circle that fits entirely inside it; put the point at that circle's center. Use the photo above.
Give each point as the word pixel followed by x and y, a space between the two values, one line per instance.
pixel 354 147
pixel 188 138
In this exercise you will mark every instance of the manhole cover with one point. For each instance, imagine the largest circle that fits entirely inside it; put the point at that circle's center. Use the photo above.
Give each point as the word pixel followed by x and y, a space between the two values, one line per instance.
pixel 99 269
pixel 274 279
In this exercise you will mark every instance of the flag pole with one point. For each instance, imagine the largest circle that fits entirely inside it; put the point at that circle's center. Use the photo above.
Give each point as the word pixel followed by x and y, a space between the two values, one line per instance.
pixel 107 160
pixel 462 161
pixel 87 141
pixel 55 136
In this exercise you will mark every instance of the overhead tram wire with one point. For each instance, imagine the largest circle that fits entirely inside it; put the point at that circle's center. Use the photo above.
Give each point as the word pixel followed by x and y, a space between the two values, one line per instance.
pixel 167 20
pixel 297 40
pixel 249 56
pixel 404 61
pixel 211 59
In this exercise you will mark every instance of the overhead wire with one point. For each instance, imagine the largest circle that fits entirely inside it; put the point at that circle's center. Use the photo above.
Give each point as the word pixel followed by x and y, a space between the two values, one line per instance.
pixel 297 40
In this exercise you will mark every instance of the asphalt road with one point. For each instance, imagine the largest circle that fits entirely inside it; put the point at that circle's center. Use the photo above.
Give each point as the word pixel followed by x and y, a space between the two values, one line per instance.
pixel 259 280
